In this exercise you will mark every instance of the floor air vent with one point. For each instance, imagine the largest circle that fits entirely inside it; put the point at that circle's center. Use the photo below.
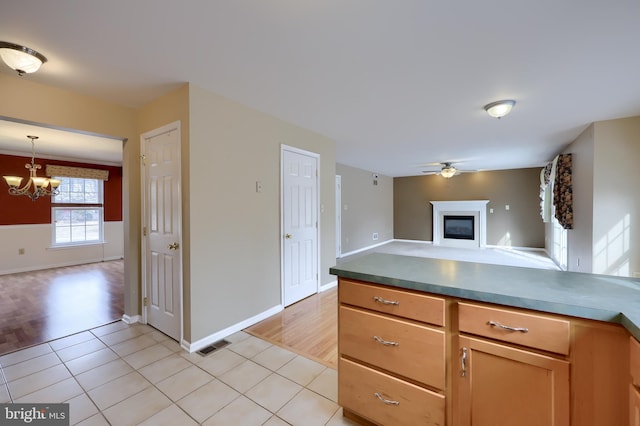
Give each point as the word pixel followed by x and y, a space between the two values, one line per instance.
pixel 213 347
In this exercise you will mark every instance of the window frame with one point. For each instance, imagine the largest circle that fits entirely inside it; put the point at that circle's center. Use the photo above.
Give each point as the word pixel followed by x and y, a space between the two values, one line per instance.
pixel 74 207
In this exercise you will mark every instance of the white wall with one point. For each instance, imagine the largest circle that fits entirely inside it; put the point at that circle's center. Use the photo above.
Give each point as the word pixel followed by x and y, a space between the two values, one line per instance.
pixel 38 254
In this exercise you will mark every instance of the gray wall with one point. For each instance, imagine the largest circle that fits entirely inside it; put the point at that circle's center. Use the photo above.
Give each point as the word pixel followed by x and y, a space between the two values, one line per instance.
pixel 520 226
pixel 366 208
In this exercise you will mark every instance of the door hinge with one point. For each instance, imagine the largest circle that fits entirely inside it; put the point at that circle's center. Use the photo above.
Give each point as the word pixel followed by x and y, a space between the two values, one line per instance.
pixel 144 159
pixel 144 231
pixel 145 301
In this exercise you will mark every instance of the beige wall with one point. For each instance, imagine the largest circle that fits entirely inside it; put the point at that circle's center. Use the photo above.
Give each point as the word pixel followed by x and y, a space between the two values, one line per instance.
pixel 366 208
pixel 171 107
pixel 520 226
pixel 580 238
pixel 606 209
pixel 231 234
pixel 23 99
pixel 616 206
pixel 235 238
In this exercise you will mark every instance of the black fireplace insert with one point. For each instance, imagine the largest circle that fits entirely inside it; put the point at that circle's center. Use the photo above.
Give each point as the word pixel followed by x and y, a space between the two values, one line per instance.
pixel 459 227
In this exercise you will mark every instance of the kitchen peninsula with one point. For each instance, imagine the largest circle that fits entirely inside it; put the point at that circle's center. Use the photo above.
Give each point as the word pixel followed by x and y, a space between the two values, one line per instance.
pixel 440 342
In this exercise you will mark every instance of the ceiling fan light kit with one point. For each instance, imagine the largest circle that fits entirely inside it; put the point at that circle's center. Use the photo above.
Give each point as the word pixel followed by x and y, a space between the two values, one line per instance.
pixel 21 58
pixel 499 109
pixel 448 171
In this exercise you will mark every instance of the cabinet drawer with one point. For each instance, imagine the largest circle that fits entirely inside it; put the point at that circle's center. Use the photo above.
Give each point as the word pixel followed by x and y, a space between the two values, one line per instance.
pixel 634 360
pixel 395 302
pixel 363 391
pixel 542 332
pixel 396 345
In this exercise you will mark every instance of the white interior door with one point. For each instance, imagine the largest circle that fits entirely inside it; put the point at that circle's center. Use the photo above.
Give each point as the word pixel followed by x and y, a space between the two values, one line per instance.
pixel 299 225
pixel 162 238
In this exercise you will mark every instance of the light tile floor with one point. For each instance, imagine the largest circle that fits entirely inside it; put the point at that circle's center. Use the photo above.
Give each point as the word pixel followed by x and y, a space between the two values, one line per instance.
pixel 122 374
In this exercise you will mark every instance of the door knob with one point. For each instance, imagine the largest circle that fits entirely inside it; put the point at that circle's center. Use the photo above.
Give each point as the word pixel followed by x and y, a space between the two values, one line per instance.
pixel 287 236
pixel 174 246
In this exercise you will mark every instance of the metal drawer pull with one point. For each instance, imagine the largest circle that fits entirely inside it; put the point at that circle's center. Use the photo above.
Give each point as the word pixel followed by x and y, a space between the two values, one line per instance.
pixel 384 301
pixel 506 327
pixel 384 342
pixel 463 373
pixel 386 401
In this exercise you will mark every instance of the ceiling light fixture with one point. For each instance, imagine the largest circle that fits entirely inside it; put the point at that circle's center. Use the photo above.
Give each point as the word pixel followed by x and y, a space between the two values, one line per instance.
pixel 20 58
pixel 448 171
pixel 39 184
pixel 499 109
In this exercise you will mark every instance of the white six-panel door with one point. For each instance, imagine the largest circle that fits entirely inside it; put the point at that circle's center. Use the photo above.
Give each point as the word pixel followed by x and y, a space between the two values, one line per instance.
pixel 161 222
pixel 299 224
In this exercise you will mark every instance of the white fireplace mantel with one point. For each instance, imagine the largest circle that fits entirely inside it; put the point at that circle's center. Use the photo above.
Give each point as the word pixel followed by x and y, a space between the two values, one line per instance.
pixel 476 208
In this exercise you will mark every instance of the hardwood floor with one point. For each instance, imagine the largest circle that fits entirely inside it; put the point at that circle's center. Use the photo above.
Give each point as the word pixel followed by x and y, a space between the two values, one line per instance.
pixel 308 327
pixel 39 306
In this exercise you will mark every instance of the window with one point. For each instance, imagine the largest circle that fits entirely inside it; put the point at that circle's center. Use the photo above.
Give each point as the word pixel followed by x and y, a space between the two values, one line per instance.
pixel 77 212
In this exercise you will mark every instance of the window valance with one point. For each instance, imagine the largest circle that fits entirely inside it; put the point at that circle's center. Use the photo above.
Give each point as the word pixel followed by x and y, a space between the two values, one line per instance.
pixel 76 172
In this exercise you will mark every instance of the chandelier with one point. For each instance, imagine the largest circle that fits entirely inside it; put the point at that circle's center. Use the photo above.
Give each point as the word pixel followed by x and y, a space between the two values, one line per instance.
pixel 36 187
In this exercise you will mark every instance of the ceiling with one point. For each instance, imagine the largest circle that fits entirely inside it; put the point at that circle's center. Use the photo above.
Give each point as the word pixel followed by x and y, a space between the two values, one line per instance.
pixel 396 84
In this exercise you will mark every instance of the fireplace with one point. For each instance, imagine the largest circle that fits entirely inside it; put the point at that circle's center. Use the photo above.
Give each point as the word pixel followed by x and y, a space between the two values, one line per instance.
pixel 460 223
pixel 459 227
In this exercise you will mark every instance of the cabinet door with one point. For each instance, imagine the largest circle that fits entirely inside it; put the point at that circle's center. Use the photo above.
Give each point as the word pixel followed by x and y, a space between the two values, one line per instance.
pixel 634 406
pixel 499 385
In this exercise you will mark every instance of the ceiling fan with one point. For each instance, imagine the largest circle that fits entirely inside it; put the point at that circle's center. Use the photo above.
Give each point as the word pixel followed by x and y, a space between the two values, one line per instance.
pixel 448 170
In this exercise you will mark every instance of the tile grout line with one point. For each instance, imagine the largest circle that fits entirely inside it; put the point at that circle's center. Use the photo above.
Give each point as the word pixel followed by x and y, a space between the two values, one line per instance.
pixel 196 364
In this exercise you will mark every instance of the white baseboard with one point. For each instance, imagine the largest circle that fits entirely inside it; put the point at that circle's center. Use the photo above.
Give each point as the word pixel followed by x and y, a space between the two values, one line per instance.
pixel 130 319
pixel 412 241
pixel 516 248
pixel 56 265
pixel 328 286
pixel 212 338
pixel 364 248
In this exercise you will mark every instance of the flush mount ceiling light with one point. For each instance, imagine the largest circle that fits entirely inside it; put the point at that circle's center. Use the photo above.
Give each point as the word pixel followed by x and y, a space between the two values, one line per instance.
pixel 499 109
pixel 36 187
pixel 20 58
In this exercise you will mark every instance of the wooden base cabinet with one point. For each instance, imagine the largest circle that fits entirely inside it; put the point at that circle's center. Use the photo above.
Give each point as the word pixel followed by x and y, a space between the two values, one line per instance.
pixel 409 358
pixel 499 385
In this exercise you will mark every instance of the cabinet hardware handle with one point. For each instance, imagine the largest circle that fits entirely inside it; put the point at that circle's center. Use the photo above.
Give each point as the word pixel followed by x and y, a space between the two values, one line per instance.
pixel 386 401
pixel 463 373
pixel 384 301
pixel 385 342
pixel 506 327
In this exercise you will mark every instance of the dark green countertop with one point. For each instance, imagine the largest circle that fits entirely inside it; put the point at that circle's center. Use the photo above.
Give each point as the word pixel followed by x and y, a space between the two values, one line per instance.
pixel 598 297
